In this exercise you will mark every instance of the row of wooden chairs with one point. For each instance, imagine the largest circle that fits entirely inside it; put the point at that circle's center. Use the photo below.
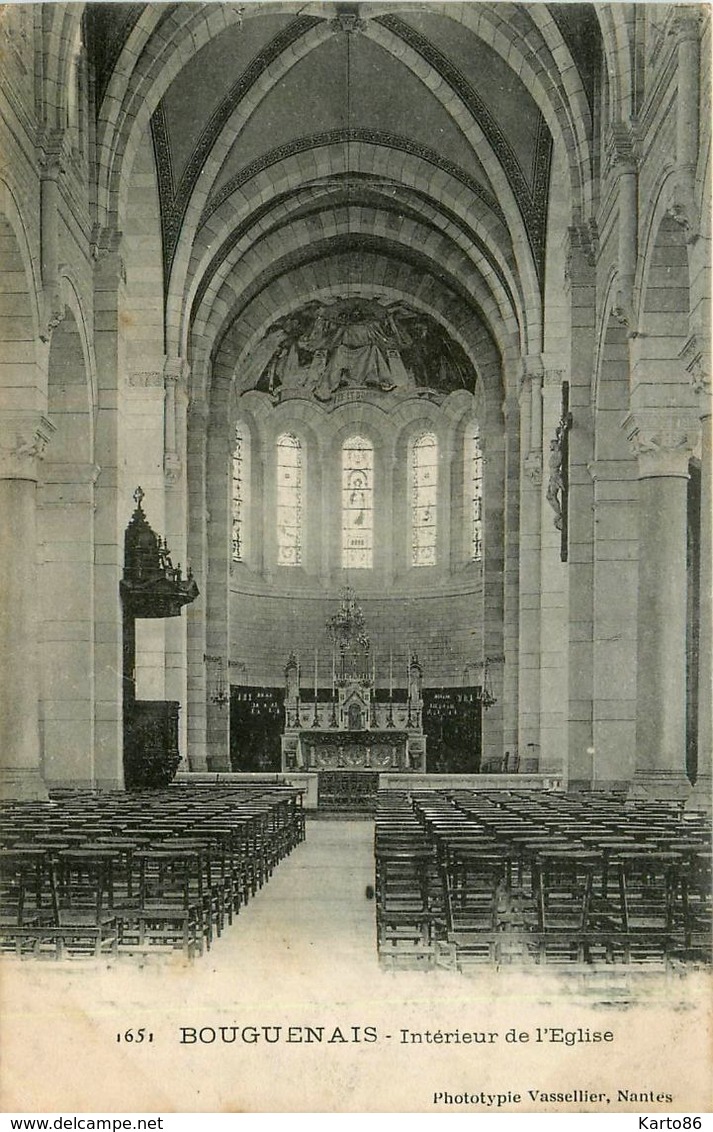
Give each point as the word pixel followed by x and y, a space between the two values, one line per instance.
pixel 466 877
pixel 93 873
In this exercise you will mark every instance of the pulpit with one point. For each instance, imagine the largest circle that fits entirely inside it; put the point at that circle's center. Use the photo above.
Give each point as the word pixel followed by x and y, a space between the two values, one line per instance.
pixel 151 587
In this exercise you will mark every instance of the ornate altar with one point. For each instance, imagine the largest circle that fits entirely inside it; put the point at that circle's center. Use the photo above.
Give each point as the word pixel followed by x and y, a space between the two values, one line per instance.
pixel 349 729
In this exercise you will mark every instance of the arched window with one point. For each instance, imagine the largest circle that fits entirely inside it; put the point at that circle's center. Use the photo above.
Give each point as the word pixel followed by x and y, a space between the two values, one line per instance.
pixel 357 504
pixel 240 476
pixel 474 492
pixel 289 500
pixel 424 500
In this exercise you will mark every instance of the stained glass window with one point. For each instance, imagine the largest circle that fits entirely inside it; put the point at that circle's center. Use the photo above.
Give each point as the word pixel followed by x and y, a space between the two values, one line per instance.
pixel 424 500
pixel 357 504
pixel 289 500
pixel 474 492
pixel 240 454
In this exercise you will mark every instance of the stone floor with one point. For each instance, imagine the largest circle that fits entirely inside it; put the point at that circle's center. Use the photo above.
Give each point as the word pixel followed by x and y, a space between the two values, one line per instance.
pixel 313 908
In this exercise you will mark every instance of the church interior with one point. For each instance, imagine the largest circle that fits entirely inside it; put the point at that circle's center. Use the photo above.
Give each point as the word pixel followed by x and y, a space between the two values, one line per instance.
pixel 355 472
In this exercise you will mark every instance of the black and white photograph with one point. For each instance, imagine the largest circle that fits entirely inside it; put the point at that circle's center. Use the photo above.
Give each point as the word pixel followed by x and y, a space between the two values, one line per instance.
pixel 356 539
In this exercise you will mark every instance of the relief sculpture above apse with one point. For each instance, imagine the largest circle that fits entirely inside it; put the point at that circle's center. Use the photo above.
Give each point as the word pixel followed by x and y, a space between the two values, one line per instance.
pixel 326 348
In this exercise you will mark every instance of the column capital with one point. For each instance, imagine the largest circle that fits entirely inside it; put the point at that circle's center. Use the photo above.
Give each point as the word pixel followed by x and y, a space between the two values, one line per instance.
pixel 582 249
pixel 621 149
pixel 54 152
pixel 663 440
pixel 105 246
pixel 176 371
pixel 685 23
pixel 531 371
pixel 172 468
pixel 23 439
pixel 695 354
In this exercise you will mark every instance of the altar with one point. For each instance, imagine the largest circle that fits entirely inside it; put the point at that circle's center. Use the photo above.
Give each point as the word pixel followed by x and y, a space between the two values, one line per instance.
pixel 348 727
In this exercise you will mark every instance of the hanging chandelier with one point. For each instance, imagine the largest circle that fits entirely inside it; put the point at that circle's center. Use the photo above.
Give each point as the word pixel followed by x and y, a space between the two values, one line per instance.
pixel 347 628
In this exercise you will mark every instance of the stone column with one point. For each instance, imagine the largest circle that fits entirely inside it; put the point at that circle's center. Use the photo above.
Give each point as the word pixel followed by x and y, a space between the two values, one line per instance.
pixel 622 164
pixel 218 456
pixel 66 544
pixel 616 495
pixel 175 375
pixel 493 576
pixel 664 441
pixel 685 25
pixel 580 278
pixel 112 508
pixel 697 357
pixel 196 611
pixel 23 438
pixel 529 602
pixel 511 594
pixel 554 643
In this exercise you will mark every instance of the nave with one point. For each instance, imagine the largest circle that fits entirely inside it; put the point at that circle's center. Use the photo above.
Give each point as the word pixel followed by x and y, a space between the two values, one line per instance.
pixel 454 879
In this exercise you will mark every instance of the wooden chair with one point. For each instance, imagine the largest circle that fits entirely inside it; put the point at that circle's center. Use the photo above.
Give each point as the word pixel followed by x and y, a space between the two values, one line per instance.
pixel 27 907
pixel 171 907
pixel 87 922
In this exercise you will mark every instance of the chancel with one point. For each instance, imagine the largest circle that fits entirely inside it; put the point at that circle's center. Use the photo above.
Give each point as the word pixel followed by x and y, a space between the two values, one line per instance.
pixel 353 730
pixel 399 315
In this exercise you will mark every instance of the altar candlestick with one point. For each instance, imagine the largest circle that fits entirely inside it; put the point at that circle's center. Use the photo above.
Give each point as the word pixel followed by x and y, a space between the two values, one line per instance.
pixel 391 674
pixel 334 679
pixel 315 675
pixel 373 671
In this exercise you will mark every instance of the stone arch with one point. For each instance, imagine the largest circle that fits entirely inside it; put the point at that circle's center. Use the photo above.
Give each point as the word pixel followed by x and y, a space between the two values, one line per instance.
pixel 432 253
pixel 286 176
pixel 66 535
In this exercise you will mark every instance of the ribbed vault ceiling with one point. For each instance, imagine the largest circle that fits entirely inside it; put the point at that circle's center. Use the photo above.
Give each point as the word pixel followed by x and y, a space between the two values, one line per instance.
pixel 398 150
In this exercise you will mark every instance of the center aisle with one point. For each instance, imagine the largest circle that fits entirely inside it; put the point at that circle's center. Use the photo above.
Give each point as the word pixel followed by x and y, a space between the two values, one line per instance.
pixel 314 906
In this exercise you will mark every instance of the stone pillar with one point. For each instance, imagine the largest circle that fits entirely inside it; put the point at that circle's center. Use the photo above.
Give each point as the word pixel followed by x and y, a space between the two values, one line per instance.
pixel 54 158
pixel 663 440
pixel 144 400
pixel 622 163
pixel 197 419
pixel 554 643
pixel 696 354
pixel 580 278
pixel 616 493
pixel 112 500
pixel 67 634
pixel 511 594
pixel 218 456
pixel 175 375
pixel 686 27
pixel 529 601
pixel 23 438
pixel 493 577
